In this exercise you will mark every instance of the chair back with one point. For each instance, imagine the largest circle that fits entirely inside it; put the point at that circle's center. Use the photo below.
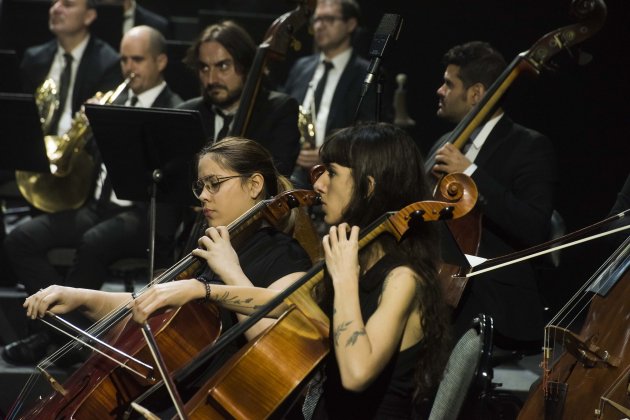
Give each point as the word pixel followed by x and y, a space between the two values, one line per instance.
pixel 468 368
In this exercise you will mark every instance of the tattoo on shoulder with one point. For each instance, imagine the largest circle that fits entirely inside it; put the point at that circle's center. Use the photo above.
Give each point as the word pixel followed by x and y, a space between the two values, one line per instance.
pixel 353 338
pixel 339 329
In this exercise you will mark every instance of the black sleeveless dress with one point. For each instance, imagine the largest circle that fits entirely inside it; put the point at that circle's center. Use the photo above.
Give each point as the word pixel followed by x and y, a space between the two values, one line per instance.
pixel 390 395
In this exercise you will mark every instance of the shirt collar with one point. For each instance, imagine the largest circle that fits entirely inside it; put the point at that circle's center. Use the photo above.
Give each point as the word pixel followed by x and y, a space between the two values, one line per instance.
pixel 339 61
pixel 77 52
pixel 149 96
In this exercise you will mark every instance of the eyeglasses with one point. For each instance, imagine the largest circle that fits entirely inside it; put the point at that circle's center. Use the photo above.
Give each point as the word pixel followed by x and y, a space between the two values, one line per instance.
pixel 211 183
pixel 326 19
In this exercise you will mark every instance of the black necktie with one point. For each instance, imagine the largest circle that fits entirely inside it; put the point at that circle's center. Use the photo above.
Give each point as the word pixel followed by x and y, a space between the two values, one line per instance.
pixel 64 84
pixel 133 101
pixel 319 90
pixel 227 119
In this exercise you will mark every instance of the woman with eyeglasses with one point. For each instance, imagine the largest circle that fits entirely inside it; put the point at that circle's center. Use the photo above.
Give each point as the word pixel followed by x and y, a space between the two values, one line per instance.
pixel 233 175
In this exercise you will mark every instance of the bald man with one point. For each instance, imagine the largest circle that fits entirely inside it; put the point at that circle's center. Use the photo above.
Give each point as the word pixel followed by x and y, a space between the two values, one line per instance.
pixel 143 53
pixel 105 229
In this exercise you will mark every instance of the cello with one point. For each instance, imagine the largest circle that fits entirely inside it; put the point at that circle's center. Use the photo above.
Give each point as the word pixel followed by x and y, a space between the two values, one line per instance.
pixel 108 381
pixel 466 231
pixel 591 377
pixel 253 384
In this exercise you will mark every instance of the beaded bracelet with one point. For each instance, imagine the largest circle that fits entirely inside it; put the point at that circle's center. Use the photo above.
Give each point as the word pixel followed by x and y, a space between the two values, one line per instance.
pixel 207 284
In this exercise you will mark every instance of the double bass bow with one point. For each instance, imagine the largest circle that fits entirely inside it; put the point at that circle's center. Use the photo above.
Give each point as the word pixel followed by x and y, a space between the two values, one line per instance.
pixel 254 383
pixel 113 377
pixel 591 15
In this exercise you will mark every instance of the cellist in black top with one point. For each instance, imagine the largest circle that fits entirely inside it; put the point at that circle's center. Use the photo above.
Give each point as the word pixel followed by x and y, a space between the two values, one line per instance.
pixel 515 171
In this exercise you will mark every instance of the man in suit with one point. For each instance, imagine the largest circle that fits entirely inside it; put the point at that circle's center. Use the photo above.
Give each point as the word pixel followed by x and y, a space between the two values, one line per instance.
pixel 330 96
pixel 105 229
pixel 515 171
pixel 222 57
pixel 84 62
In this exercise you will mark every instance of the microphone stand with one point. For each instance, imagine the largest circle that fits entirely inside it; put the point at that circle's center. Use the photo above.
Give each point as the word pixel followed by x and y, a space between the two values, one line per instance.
pixel 379 94
pixel 156 178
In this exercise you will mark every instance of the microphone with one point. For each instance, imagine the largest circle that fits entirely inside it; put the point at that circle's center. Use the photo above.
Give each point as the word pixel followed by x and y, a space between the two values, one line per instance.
pixel 386 33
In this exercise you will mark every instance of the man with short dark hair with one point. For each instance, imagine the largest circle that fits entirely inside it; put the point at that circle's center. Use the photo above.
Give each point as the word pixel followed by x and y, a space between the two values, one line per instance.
pixel 515 171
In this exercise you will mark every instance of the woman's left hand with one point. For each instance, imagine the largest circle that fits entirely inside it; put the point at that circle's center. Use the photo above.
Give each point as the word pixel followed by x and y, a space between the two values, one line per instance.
pixel 342 252
pixel 166 295
pixel 217 250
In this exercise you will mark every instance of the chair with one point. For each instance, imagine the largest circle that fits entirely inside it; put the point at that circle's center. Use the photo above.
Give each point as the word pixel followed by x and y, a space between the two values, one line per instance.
pixel 468 373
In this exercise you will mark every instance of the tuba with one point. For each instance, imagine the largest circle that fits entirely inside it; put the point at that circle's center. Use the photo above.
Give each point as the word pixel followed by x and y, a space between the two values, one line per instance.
pixel 69 182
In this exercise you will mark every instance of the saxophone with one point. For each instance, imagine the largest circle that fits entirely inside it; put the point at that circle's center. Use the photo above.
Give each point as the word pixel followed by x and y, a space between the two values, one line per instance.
pixel 69 182
pixel 306 126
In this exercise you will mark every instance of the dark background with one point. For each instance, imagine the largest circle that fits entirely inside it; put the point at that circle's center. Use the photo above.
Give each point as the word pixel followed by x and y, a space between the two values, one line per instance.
pixel 584 110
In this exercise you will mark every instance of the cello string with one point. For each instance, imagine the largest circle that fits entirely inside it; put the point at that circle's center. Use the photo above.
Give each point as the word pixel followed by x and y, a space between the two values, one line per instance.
pixel 106 322
pixel 621 252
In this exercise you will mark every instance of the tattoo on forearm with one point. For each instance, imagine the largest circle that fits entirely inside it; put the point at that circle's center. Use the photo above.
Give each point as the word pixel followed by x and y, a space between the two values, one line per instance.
pixel 226 298
pixel 354 336
pixel 339 329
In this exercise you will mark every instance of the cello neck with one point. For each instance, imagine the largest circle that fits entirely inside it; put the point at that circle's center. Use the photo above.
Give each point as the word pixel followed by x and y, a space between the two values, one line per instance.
pixel 481 112
pixel 250 93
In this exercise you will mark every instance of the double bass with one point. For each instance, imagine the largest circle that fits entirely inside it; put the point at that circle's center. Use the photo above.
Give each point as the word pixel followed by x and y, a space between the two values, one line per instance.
pixel 466 231
pixel 590 378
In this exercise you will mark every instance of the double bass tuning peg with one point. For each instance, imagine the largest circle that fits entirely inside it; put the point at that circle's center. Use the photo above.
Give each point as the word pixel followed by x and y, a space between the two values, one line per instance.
pixel 296 44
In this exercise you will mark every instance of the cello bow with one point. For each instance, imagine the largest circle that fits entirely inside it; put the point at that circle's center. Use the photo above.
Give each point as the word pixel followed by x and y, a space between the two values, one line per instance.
pixel 91 389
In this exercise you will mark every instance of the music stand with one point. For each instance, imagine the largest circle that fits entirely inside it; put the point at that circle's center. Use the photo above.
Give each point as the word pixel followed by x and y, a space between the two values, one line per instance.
pixel 149 154
pixel 22 147
pixel 10 80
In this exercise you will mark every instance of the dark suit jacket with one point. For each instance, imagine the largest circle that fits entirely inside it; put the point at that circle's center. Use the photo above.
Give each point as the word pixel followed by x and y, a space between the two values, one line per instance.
pixel 273 124
pixel 516 178
pixel 166 99
pixel 346 96
pixel 99 69
pixel 144 16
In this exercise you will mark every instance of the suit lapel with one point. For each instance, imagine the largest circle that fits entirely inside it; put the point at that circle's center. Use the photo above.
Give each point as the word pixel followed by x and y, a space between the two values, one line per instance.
pixel 306 78
pixel 162 100
pixel 44 62
pixel 82 75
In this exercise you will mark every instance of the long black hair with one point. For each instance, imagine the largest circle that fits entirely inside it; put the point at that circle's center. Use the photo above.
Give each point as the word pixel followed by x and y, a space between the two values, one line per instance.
pixel 388 174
